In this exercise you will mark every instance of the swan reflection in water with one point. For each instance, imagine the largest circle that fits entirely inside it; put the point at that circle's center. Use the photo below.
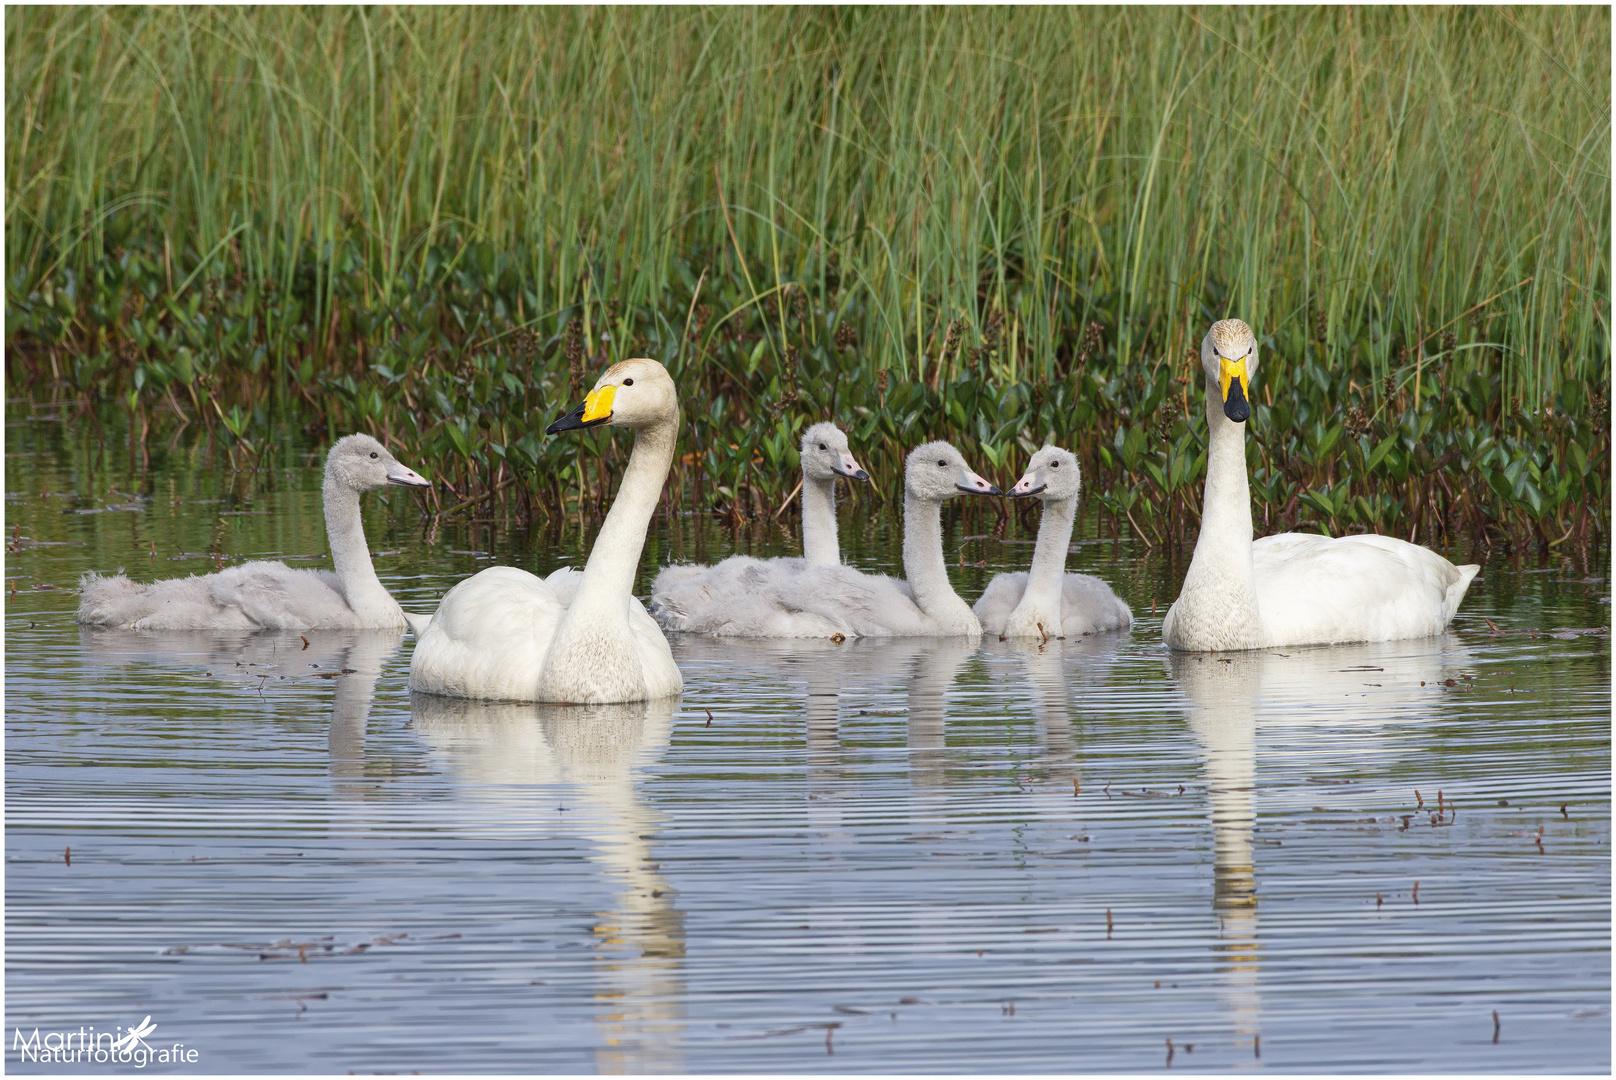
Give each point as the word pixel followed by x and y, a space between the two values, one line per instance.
pixel 1305 702
pixel 836 680
pixel 260 663
pixel 505 752
pixel 1054 672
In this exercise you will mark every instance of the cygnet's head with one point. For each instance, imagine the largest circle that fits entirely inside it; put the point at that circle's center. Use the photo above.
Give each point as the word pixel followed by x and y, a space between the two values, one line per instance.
pixel 632 394
pixel 1229 354
pixel 936 472
pixel 362 463
pixel 825 455
pixel 1051 474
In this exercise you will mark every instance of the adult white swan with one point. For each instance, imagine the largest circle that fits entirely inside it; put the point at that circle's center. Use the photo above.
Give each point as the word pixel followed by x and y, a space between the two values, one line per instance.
pixel 679 590
pixel 270 595
pixel 575 637
pixel 784 598
pixel 1294 588
pixel 1047 602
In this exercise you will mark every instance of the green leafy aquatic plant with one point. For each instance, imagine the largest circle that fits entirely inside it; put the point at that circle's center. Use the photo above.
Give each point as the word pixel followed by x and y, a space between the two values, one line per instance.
pixel 437 225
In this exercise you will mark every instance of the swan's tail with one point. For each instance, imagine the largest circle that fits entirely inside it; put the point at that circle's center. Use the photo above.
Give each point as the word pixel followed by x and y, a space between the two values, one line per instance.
pixel 668 614
pixel 110 600
pixel 1456 591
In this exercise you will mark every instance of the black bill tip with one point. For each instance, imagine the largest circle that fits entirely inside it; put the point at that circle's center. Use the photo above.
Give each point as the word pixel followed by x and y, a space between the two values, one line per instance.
pixel 573 421
pixel 1235 406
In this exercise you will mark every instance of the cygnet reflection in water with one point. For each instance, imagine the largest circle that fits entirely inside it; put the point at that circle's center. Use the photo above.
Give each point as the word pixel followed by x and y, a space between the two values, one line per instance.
pixel 832 675
pixel 351 661
pixel 1056 673
pixel 515 755
pixel 1311 696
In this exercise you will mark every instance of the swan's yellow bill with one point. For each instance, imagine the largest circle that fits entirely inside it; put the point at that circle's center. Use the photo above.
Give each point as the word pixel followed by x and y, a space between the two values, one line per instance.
pixel 598 405
pixel 1228 372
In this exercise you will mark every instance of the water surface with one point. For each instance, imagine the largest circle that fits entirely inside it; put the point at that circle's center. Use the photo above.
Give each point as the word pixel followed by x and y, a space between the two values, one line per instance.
pixel 903 856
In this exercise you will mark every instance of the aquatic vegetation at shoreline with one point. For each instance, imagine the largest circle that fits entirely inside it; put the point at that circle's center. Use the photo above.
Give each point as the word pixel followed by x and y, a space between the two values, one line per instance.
pixel 437 226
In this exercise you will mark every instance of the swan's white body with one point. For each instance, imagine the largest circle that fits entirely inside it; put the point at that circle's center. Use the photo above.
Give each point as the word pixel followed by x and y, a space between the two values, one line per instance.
pixel 1294 588
pixel 1047 602
pixel 270 595
pixel 706 599
pixel 574 637
pixel 791 598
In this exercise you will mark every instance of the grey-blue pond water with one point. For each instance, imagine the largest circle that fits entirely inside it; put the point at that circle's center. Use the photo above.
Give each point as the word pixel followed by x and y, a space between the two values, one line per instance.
pixel 912 856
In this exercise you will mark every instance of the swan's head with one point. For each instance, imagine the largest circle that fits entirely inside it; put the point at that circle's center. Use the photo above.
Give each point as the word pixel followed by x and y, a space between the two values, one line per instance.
pixel 936 472
pixel 825 455
pixel 1229 354
pixel 632 394
pixel 362 463
pixel 1051 474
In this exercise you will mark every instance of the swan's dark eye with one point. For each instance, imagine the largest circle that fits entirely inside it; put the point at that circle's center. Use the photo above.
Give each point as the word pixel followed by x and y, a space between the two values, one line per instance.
pixel 373 453
pixel 822 446
pixel 944 464
pixel 1054 464
pixel 628 382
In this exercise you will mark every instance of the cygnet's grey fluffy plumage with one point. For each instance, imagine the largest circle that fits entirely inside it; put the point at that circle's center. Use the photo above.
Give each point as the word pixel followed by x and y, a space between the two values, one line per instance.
pixel 723 599
pixel 791 598
pixel 1057 604
pixel 270 595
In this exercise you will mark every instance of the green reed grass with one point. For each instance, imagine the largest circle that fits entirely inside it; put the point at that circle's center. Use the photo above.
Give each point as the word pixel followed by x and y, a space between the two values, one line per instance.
pixel 390 218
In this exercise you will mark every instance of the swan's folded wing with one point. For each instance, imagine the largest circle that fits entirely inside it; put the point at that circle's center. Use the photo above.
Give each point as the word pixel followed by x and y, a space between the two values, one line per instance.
pixel 489 637
pixel 176 604
pixel 276 597
pixel 1090 606
pixel 1323 590
pixel 858 604
pixel 564 583
pixel 998 600
pixel 739 597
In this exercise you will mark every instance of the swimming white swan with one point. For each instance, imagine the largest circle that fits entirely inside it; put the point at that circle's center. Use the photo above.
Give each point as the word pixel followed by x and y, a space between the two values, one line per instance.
pixel 1047 602
pixel 270 595
pixel 575 637
pixel 783 598
pixel 1294 588
pixel 695 598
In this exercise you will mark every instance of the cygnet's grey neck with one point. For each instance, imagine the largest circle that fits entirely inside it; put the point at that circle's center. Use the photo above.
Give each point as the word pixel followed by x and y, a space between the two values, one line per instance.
pixel 350 558
pixel 1047 576
pixel 819 545
pixel 925 570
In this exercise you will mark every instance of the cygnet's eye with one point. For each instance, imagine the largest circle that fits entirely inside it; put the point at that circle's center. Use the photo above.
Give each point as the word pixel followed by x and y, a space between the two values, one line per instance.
pixel 628 382
pixel 373 453
pixel 822 446
pixel 943 464
pixel 1054 464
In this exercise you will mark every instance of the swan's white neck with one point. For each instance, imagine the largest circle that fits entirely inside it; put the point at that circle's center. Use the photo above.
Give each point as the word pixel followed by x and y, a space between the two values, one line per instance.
pixel 594 645
pixel 1039 612
pixel 819 547
pixel 1217 607
pixel 927 573
pixel 350 558
pixel 1048 572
